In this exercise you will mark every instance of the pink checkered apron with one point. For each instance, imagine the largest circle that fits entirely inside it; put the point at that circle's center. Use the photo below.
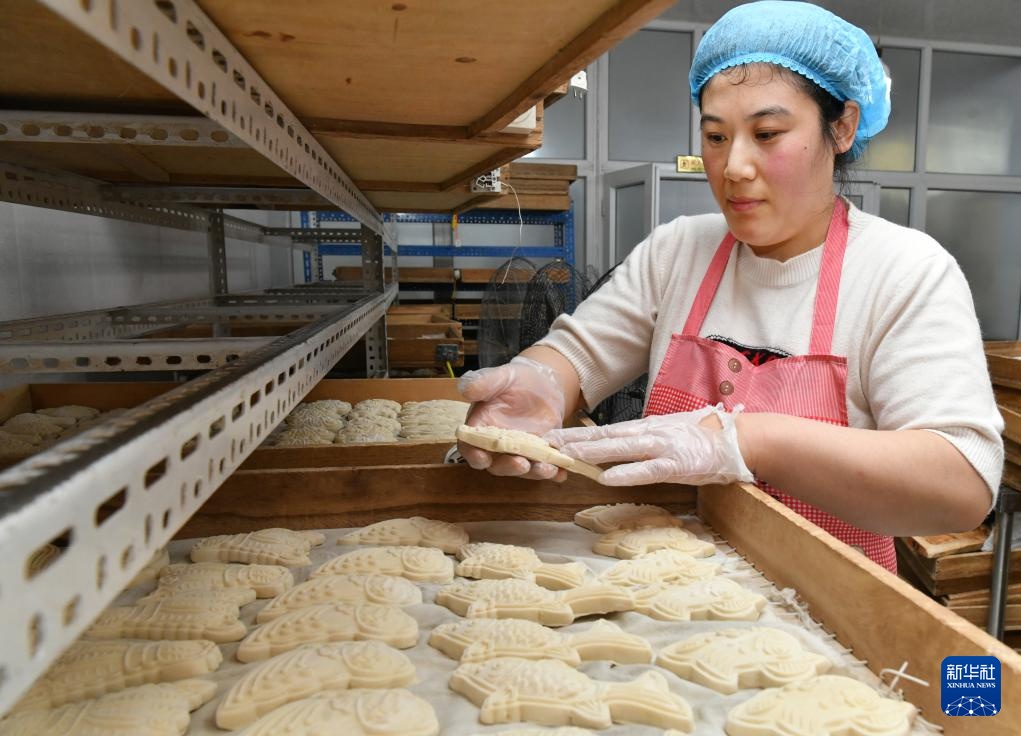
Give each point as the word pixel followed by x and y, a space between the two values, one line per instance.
pixel 698 372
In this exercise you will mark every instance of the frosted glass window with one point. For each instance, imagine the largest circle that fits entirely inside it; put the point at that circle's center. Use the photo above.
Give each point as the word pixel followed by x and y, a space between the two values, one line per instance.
pixel 563 129
pixel 894 148
pixel 894 205
pixel 684 197
pixel 630 216
pixel 974 115
pixel 650 107
pixel 981 230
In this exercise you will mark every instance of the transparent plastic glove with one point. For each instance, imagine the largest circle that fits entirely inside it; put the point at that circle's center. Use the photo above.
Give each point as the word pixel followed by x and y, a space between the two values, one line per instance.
pixel 523 394
pixel 695 447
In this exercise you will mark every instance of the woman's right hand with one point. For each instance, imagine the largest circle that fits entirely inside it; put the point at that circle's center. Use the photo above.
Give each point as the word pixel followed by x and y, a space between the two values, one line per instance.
pixel 525 395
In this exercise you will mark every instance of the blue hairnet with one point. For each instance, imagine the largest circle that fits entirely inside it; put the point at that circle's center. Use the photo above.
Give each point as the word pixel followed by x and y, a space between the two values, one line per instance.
pixel 806 39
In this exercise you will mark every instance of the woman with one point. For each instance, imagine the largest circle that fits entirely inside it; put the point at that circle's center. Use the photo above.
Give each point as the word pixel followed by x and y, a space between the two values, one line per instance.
pixel 795 339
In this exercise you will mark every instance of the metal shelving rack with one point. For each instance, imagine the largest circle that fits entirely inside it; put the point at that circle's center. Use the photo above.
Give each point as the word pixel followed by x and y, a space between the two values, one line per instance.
pixel 561 221
pixel 222 136
pixel 155 465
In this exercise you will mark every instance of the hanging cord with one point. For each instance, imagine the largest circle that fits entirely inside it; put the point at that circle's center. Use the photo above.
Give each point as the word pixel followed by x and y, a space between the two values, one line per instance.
pixel 521 232
pixel 449 369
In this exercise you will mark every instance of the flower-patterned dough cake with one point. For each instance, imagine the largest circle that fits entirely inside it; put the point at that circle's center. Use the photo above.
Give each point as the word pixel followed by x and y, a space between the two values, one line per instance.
pixel 266 580
pixel 661 566
pixel 533 447
pixel 719 599
pixel 205 614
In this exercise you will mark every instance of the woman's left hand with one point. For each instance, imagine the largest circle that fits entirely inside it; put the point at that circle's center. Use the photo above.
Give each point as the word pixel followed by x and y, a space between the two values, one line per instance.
pixel 696 448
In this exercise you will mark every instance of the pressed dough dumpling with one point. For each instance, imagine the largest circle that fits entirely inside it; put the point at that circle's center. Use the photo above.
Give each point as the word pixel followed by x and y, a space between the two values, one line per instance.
pixel 273 546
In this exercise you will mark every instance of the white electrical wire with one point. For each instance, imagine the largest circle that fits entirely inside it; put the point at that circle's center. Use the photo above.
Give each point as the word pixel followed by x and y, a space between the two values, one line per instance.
pixel 521 232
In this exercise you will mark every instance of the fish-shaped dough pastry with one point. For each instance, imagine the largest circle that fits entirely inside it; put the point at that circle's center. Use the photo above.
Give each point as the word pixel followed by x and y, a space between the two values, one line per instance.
pixel 147 710
pixel 479 639
pixel 351 713
pixel 266 580
pixel 91 668
pixel 330 622
pixel 416 531
pixel 628 543
pixel 728 660
pixel 826 705
pixel 421 564
pixel 264 547
pixel 307 670
pixel 490 561
pixel 661 566
pixel 717 598
pixel 514 598
pixel 611 517
pixel 206 614
pixel 550 692
pixel 383 589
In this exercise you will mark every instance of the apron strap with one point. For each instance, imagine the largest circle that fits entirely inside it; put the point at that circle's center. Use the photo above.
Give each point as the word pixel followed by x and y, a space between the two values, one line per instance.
pixel 707 289
pixel 827 289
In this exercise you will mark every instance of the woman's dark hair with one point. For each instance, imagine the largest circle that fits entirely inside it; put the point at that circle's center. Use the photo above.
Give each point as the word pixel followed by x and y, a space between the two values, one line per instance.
pixel 830 111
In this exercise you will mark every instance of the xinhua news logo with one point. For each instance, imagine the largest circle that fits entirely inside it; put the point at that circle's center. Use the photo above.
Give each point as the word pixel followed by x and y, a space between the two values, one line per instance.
pixel 971 686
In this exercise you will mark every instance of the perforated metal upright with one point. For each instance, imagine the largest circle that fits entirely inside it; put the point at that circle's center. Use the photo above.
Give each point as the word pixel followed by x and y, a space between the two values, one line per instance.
pixel 157 463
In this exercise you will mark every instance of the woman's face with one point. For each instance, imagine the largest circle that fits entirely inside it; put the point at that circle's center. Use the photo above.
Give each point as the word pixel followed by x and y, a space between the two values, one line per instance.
pixel 768 164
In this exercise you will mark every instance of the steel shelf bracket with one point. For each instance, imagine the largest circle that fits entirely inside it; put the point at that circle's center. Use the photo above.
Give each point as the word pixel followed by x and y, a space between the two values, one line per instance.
pixel 176 44
pixel 119 491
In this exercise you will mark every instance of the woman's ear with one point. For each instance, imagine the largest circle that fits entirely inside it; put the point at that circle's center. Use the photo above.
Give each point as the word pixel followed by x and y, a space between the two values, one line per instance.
pixel 845 126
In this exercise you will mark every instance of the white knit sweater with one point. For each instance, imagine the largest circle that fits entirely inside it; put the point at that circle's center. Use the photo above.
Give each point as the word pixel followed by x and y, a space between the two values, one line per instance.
pixel 905 321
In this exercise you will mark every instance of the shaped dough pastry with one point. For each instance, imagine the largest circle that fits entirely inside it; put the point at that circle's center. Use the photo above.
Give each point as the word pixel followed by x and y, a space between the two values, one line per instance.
pixel 351 713
pixel 827 705
pixel 34 424
pixel 561 731
pixel 611 517
pixel 626 544
pixel 416 531
pixel 513 598
pixel 160 559
pixel 717 598
pixel 533 447
pixel 385 407
pixel 490 561
pixel 727 660
pixel 383 589
pixel 149 710
pixel 421 564
pixel 479 639
pixel 73 411
pixel 264 547
pixel 549 692
pixel 238 596
pixel 308 670
pixel 89 669
pixel 18 446
pixel 196 615
pixel 303 435
pixel 330 622
pixel 266 580
pixel 661 566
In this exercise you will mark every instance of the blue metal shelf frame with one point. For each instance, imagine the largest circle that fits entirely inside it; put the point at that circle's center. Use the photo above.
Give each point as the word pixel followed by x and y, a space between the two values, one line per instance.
pixel 562 222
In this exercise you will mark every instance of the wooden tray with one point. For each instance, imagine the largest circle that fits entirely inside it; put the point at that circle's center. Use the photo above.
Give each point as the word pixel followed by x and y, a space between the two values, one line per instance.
pixel 118 395
pixel 880 617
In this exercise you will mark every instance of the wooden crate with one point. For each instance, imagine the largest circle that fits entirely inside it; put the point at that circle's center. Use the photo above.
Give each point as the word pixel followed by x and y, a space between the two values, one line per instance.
pixel 105 396
pixel 954 573
pixel 410 326
pixel 881 618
